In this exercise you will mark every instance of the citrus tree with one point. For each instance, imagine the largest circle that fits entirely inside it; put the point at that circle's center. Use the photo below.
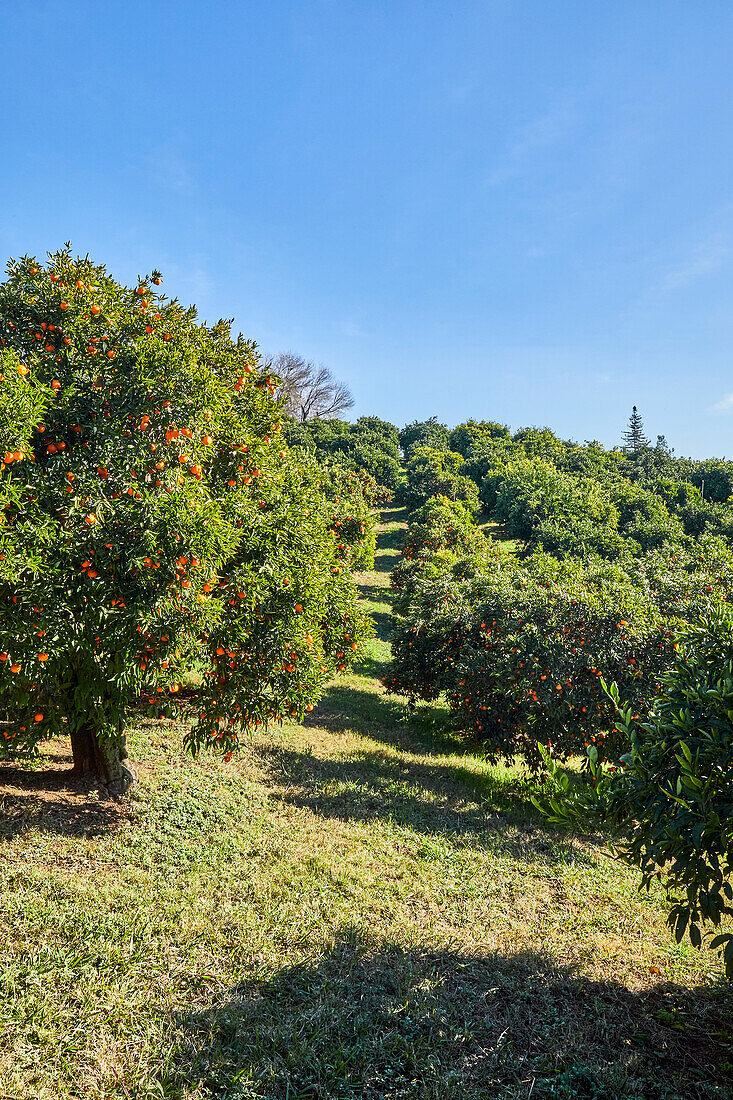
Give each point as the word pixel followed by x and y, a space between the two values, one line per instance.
pixel 671 801
pixel 152 521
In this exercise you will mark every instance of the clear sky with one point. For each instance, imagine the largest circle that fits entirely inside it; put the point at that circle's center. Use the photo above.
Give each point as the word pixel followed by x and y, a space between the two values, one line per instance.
pixel 517 210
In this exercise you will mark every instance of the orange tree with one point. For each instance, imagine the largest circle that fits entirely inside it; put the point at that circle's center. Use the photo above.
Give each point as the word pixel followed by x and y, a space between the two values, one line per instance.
pixel 152 520
pixel 521 647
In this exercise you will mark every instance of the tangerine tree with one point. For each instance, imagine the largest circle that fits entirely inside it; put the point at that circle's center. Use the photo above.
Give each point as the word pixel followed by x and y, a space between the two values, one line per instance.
pixel 152 521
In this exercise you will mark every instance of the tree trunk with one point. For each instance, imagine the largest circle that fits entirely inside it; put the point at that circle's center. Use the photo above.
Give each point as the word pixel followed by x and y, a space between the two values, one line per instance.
pixel 102 760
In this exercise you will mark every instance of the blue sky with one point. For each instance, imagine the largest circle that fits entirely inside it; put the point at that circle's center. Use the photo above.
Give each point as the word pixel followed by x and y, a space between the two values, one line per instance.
pixel 520 211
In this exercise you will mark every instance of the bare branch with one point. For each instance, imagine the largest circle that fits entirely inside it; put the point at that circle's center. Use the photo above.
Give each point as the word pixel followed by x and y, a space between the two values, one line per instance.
pixel 308 390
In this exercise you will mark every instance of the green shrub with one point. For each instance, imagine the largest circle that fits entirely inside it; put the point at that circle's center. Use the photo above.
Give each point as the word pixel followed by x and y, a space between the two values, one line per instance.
pixel 521 649
pixel 423 433
pixel 431 472
pixel 532 493
pixel 672 800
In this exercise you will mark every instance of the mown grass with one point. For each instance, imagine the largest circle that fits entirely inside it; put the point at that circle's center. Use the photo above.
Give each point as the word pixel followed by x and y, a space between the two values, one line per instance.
pixel 353 908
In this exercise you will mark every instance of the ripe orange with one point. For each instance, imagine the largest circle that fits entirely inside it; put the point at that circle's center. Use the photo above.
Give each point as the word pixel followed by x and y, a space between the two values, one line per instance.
pixel 96 310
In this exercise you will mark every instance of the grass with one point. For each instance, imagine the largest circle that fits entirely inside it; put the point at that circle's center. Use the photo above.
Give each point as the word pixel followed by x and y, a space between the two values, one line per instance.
pixel 353 908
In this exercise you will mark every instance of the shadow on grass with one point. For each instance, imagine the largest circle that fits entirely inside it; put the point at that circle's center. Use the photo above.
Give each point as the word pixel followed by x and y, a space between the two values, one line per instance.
pixel 345 709
pixel 392 534
pixel 376 1021
pixel 383 626
pixel 379 593
pixel 55 801
pixel 432 799
pixel 385 563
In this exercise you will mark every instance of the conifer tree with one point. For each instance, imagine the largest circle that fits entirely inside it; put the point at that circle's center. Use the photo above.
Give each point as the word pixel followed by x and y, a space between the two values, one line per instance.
pixel 634 438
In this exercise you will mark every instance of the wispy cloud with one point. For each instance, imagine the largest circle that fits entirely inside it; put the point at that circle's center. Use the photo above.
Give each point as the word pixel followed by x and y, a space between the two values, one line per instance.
pixel 540 136
pixel 704 259
pixel 171 170
pixel 724 405
pixel 351 329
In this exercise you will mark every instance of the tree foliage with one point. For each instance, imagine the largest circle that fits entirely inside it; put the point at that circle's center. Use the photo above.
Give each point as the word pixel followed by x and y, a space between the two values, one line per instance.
pixel 634 438
pixel 671 801
pixel 368 447
pixel 153 520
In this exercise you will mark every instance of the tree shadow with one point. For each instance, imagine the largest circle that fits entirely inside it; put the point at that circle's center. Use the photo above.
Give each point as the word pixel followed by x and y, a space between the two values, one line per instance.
pixel 383 625
pixel 385 563
pixel 54 800
pixel 345 709
pixel 378 593
pixel 428 798
pixel 373 1020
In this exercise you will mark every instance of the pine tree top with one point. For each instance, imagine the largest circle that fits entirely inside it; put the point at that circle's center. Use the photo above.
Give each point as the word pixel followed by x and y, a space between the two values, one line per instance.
pixel 634 438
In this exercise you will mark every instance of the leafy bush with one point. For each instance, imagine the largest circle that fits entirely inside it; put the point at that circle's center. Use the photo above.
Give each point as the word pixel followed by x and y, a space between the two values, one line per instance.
pixel 352 519
pixel 672 800
pixel 423 433
pixel 441 529
pixel 529 494
pixel 370 446
pixel 521 649
pixel 436 473
pixel 715 478
pixel 479 437
pixel 644 517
